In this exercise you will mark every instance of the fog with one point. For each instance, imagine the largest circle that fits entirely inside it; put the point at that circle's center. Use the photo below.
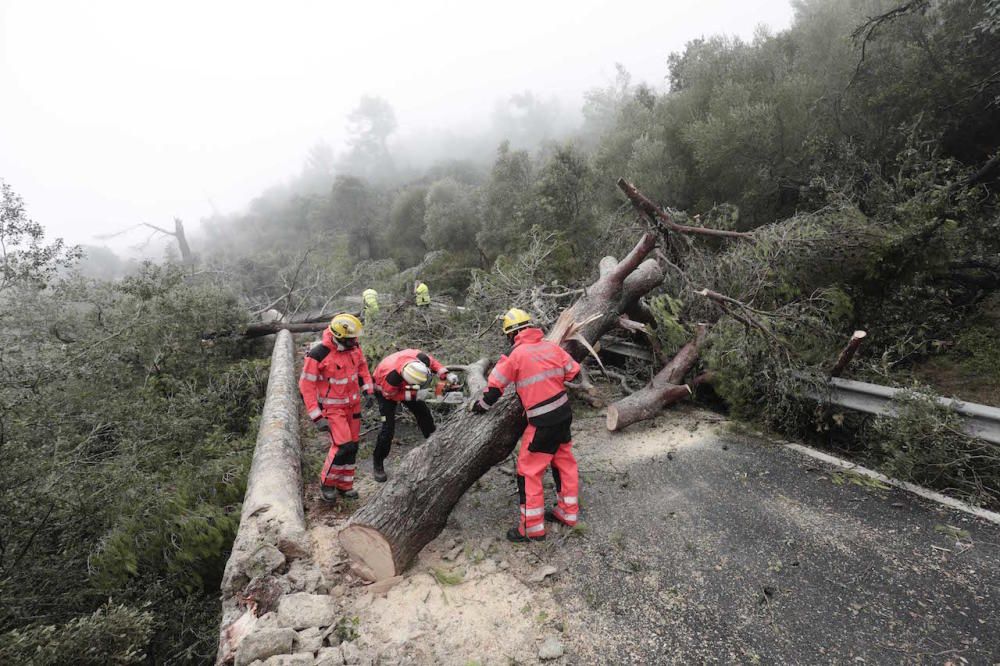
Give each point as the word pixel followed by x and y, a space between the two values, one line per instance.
pixel 115 113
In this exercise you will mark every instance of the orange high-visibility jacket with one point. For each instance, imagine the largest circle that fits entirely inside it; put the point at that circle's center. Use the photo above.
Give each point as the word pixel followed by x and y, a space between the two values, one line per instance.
pixel 538 369
pixel 332 376
pixel 389 373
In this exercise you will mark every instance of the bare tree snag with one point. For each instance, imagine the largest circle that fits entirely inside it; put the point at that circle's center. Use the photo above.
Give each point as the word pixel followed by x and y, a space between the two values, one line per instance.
pixel 666 388
pixel 848 353
pixel 662 220
pixel 272 518
pixel 385 535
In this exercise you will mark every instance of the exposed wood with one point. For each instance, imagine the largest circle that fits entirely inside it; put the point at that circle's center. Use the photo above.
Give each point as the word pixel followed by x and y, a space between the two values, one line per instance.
pixel 411 509
pixel 272 513
pixel 662 220
pixel 666 388
pixel 848 353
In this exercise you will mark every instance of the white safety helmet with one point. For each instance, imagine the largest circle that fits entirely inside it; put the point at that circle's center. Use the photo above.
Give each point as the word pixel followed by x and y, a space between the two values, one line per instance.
pixel 415 373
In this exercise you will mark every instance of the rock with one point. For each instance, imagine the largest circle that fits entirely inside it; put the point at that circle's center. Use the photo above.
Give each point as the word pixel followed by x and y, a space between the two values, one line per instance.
pixel 504 565
pixel 302 610
pixel 304 577
pixel 383 586
pixel 263 561
pixel 552 648
pixel 351 653
pixel 454 553
pixel 338 591
pixel 264 643
pixel 265 592
pixel 308 640
pixel 364 601
pixel 268 621
pixel 541 573
pixel 300 659
pixel 329 656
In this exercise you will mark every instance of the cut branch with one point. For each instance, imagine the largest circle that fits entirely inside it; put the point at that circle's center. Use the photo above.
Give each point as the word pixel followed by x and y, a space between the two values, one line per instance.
pixel 665 388
pixel 848 353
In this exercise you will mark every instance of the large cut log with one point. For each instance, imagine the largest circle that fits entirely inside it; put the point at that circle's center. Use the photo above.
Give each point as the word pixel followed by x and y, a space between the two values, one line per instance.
pixel 409 511
pixel 666 388
pixel 272 524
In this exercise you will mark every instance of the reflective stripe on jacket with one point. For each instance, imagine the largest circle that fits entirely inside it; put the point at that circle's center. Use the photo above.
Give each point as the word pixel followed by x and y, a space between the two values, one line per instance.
pixel 538 369
pixel 393 363
pixel 332 377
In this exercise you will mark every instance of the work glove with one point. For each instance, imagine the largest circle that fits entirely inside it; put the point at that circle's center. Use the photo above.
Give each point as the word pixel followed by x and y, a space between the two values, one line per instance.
pixel 322 424
pixel 369 400
pixel 474 406
pixel 451 378
pixel 424 394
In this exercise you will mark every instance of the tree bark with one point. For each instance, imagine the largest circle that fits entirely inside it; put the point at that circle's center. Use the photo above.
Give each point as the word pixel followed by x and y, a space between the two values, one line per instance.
pixel 665 388
pixel 385 535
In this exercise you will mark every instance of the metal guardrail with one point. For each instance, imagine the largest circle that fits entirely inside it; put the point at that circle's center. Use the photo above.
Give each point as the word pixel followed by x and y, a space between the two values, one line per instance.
pixel 981 421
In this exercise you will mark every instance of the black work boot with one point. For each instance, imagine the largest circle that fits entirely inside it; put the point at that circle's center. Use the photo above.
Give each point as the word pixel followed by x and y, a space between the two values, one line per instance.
pixel 349 494
pixel 379 472
pixel 517 537
pixel 329 493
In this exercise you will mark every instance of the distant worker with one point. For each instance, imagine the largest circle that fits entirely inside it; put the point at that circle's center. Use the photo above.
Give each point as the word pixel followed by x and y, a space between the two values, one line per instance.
pixel 404 377
pixel 538 369
pixel 369 299
pixel 334 374
pixel 422 294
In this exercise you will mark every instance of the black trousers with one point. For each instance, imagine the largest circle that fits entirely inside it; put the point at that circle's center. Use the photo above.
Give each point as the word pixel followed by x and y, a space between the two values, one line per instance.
pixel 425 421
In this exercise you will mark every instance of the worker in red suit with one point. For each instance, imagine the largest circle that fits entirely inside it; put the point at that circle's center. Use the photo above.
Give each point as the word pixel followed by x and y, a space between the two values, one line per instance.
pixel 539 370
pixel 334 375
pixel 404 377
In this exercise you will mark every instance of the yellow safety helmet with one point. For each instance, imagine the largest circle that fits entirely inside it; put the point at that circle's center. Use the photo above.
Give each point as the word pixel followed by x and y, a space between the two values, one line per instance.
pixel 415 373
pixel 515 319
pixel 345 325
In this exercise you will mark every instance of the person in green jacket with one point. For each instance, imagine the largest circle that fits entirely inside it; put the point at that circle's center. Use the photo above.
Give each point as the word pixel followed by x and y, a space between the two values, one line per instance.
pixel 422 293
pixel 369 299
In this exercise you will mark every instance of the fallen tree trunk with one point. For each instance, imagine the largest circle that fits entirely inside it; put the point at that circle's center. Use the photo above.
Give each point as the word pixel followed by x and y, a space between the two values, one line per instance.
pixel 272 522
pixel 665 388
pixel 385 535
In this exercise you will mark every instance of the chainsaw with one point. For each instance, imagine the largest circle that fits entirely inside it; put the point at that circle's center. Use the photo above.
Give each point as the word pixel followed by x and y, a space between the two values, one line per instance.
pixel 448 394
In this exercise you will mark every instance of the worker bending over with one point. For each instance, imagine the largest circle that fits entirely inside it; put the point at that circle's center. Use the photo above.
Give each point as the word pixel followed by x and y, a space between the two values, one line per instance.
pixel 334 374
pixel 422 294
pixel 404 377
pixel 538 369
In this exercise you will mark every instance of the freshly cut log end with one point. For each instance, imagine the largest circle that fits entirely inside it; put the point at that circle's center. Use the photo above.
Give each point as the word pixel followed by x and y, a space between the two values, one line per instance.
pixel 370 553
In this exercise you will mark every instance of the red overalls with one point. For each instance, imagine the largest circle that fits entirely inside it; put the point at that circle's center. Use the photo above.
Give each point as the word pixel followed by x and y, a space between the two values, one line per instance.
pixel 331 383
pixel 539 370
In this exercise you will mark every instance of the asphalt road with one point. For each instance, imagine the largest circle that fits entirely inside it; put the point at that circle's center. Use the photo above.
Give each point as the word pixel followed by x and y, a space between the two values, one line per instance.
pixel 704 546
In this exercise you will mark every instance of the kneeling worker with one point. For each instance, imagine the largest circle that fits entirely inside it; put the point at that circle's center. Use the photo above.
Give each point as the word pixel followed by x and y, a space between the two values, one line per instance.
pixel 538 369
pixel 333 375
pixel 404 377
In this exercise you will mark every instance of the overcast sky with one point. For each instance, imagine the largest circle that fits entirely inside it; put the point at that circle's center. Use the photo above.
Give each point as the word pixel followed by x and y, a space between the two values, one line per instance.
pixel 113 113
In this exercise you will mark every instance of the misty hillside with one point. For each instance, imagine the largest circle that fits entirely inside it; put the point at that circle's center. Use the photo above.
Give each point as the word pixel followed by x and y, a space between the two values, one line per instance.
pixel 859 148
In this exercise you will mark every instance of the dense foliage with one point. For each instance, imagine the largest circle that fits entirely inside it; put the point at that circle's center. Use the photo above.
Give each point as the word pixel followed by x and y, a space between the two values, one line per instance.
pixel 860 145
